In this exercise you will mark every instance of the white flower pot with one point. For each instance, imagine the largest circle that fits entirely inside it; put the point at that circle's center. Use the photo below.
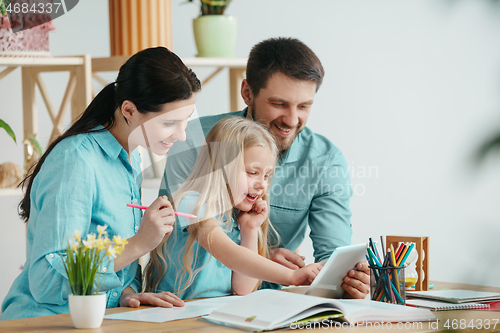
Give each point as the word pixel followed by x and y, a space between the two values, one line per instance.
pixel 87 311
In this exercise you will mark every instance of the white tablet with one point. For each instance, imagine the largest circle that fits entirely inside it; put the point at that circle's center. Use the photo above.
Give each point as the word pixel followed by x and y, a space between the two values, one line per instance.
pixel 328 283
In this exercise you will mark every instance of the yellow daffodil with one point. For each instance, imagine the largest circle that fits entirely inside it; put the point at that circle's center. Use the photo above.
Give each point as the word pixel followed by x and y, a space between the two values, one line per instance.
pixel 88 245
pixel 77 236
pixel 100 245
pixel 120 241
pixel 88 258
pixel 101 229
pixel 111 252
pixel 107 242
pixel 74 246
pixel 91 237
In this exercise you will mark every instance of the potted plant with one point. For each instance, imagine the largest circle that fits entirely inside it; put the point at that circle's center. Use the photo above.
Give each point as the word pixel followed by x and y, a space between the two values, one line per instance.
pixel 86 262
pixel 214 32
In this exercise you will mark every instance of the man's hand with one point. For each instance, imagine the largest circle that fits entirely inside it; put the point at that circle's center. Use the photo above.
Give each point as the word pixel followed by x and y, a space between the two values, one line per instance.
pixel 164 299
pixel 287 258
pixel 357 282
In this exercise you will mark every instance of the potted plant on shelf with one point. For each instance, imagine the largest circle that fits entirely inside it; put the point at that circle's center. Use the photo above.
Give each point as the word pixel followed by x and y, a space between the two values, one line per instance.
pixel 86 262
pixel 214 32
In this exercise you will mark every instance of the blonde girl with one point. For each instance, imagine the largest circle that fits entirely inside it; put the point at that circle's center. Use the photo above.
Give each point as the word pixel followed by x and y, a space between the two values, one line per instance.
pixel 227 191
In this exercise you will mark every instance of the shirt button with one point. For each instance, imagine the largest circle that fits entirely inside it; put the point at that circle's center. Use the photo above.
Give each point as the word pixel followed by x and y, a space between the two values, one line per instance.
pixel 115 294
pixel 135 200
pixel 105 269
pixel 51 255
pixel 136 228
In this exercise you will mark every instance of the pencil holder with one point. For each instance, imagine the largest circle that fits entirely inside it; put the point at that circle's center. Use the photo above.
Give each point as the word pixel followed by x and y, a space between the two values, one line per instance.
pixel 387 284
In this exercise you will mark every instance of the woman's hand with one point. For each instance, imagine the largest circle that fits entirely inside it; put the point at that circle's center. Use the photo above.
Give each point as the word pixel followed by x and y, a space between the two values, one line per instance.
pixel 253 219
pixel 305 275
pixel 157 222
pixel 134 300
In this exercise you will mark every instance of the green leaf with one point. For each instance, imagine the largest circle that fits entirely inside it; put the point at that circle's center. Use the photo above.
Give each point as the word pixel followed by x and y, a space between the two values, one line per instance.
pixel 35 143
pixel 7 129
pixel 3 6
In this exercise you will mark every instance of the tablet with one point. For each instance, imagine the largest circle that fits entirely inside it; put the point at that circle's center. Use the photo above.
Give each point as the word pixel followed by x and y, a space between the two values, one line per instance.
pixel 328 283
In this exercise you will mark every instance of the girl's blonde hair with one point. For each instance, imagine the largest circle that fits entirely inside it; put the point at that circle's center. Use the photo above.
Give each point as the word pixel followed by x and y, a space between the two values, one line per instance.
pixel 214 176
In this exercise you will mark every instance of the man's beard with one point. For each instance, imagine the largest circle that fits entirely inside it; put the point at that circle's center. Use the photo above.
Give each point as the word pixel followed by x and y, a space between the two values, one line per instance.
pixel 283 143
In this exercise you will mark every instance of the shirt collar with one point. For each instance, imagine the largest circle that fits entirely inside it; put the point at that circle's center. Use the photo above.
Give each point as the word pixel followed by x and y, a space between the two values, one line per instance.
pixel 291 154
pixel 107 142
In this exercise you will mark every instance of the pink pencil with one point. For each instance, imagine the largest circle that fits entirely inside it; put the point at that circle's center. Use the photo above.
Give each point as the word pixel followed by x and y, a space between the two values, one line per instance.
pixel 191 216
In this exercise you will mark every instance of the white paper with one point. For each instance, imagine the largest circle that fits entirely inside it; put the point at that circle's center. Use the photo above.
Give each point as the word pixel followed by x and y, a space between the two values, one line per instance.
pixel 161 315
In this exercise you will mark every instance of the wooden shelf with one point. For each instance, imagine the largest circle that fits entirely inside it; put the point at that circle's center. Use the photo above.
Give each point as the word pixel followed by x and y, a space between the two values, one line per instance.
pixel 41 61
pixel 216 62
pixel 10 192
pixel 78 92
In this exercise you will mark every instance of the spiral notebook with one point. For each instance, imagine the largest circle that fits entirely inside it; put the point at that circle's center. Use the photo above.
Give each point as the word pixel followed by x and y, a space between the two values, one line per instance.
pixel 455 296
pixel 443 306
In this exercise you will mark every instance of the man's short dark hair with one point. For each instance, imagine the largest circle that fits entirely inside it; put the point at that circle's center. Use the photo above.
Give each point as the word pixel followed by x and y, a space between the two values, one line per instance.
pixel 285 55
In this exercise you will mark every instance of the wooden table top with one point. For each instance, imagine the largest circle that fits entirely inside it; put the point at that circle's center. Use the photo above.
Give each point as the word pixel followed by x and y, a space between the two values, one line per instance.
pixel 63 323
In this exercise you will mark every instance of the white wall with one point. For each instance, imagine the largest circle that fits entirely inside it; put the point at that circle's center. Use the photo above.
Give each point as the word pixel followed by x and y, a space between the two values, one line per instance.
pixel 412 88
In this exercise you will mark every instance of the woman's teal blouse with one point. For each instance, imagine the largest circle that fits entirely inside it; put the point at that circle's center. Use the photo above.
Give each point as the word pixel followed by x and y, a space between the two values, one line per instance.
pixel 86 181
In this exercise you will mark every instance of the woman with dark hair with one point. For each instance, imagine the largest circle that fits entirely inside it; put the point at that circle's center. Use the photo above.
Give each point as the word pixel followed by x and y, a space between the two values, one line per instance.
pixel 91 172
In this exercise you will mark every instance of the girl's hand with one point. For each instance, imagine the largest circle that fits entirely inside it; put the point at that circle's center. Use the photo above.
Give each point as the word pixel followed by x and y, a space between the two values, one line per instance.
pixel 158 221
pixel 253 219
pixel 305 275
pixel 164 299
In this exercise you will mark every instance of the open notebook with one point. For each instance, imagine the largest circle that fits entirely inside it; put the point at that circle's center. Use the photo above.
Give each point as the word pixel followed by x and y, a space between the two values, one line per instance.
pixel 273 309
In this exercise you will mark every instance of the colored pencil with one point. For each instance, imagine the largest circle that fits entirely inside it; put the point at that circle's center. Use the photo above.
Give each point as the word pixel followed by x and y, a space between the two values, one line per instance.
pixel 191 216
pixel 402 254
pixel 382 243
pixel 374 249
pixel 398 252
pixel 407 254
pixel 394 271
